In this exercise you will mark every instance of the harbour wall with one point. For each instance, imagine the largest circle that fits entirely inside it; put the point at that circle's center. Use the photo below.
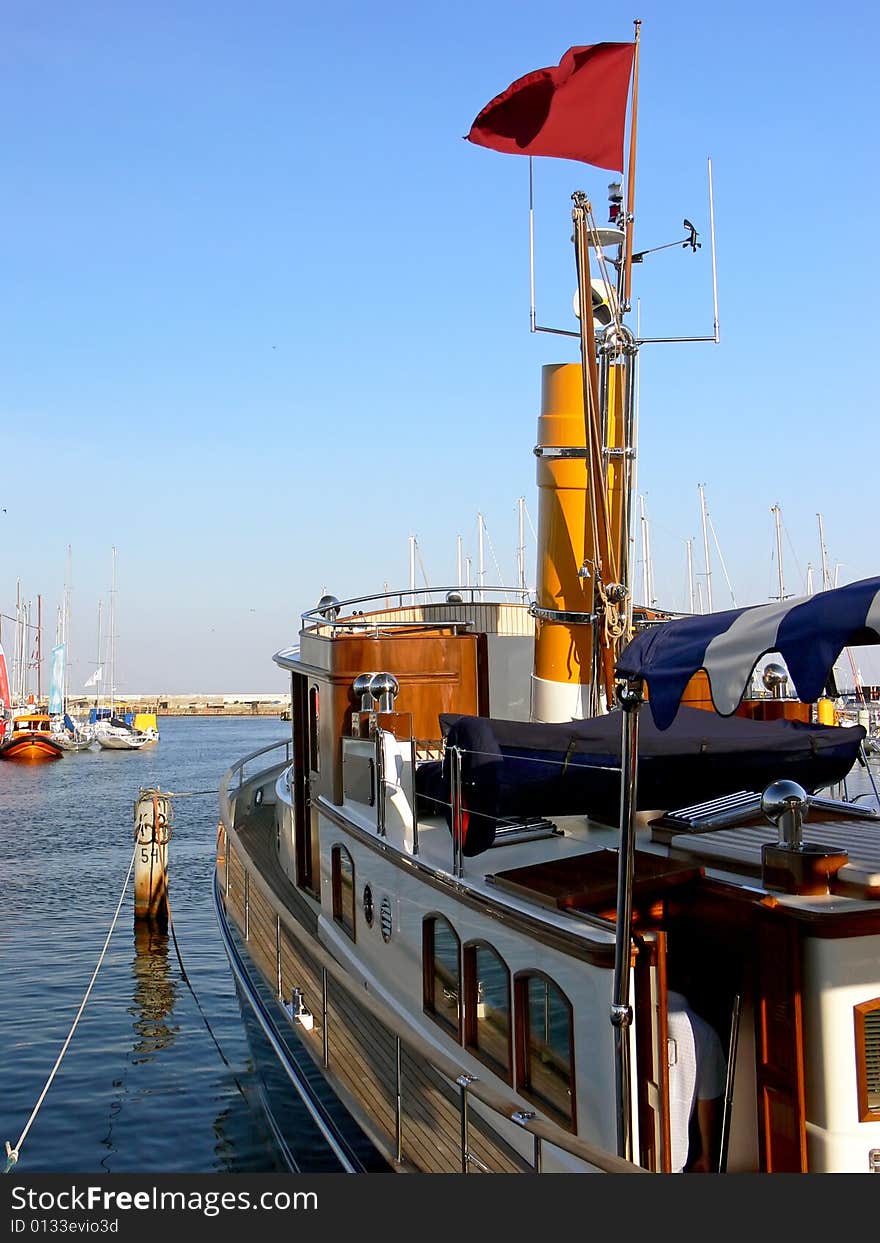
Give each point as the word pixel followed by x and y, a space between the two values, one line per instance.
pixel 191 705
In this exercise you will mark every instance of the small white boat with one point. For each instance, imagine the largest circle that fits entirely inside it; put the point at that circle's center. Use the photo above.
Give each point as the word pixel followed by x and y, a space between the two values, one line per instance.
pixel 117 735
pixel 73 742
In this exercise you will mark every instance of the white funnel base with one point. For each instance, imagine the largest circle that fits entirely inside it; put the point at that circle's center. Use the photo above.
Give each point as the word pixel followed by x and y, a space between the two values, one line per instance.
pixel 560 701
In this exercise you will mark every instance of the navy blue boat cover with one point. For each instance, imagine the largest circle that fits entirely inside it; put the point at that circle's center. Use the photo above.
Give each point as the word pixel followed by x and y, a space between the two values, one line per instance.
pixel 809 634
pixel 515 769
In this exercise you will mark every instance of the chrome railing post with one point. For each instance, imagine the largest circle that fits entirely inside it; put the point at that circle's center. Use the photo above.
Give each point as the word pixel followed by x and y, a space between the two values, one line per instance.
pixel 380 785
pixel 630 696
pixel 464 1082
pixel 414 797
pixel 278 954
pixel 457 844
pixel 398 1088
pixel 521 1117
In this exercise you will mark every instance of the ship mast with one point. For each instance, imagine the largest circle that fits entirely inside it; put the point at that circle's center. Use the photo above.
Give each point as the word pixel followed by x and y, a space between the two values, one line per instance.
pixel 608 371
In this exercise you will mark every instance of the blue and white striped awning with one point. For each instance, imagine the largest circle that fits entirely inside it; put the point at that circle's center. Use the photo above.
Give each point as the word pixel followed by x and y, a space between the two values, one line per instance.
pixel 809 634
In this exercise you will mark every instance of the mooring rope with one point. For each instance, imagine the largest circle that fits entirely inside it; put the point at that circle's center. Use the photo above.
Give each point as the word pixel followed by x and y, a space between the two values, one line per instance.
pixel 189 985
pixel 12 1153
pixel 189 794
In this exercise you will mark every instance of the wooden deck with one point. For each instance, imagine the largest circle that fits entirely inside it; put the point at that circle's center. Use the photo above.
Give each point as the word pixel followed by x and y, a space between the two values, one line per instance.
pixel 362 1054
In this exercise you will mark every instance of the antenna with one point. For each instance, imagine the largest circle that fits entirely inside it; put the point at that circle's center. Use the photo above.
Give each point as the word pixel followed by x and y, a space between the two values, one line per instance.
pixel 690 243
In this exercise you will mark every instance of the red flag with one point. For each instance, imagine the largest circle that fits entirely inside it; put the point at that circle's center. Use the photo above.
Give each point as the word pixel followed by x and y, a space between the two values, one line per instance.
pixel 575 110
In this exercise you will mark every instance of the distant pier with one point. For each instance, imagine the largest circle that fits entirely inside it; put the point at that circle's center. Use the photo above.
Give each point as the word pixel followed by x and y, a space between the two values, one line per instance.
pixel 268 704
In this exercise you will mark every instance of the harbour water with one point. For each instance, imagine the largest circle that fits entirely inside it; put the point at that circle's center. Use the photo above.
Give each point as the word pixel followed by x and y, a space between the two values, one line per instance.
pixel 142 1087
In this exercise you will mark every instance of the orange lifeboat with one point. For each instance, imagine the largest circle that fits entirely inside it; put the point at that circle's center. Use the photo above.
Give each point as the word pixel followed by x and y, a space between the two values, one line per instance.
pixel 28 739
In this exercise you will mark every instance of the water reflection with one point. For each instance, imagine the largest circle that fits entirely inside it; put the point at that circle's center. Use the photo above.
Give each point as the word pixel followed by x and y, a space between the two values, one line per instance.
pixel 155 992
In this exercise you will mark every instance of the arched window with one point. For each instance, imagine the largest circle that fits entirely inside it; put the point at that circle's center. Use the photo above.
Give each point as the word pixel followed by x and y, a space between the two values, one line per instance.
pixel 867 1021
pixel 545 1046
pixel 342 868
pixel 441 973
pixel 487 1031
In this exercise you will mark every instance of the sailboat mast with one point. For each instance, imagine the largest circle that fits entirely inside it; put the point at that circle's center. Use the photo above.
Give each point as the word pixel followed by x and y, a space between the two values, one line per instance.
pixel 98 676
pixel 775 510
pixel 112 636
pixel 521 546
pixel 65 637
pixel 16 647
pixel 481 562
pixel 706 548
pixel 826 582
pixel 38 651
pixel 690 561
pixel 644 521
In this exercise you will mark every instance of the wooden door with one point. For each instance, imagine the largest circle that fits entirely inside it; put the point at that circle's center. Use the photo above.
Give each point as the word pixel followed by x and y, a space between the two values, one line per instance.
pixel 304 816
pixel 779 1044
pixel 651 1053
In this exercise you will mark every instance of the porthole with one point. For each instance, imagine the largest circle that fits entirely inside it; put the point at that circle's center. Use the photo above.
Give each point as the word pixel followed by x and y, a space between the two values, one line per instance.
pixel 368 905
pixel 385 920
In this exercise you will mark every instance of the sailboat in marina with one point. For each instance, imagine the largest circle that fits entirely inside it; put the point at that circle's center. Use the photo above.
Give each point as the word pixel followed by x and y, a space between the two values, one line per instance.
pixel 70 734
pixel 456 899
pixel 112 732
pixel 25 730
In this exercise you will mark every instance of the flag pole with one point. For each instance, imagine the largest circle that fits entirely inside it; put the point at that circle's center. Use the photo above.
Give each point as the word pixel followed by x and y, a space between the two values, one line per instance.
pixel 532 319
pixel 631 172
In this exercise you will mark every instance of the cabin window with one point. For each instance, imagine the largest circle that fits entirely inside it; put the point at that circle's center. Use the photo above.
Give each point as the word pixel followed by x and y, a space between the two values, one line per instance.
pixel 867 1022
pixel 314 733
pixel 487 1007
pixel 441 956
pixel 343 889
pixel 545 1047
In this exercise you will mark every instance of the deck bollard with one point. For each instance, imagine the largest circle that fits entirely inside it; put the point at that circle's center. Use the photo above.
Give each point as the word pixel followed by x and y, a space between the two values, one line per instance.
pixel 152 831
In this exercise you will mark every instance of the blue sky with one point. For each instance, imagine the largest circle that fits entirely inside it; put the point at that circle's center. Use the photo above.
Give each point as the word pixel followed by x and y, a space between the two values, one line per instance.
pixel 265 314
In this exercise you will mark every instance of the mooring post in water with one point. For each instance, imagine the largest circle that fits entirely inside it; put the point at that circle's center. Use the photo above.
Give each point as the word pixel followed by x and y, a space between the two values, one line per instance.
pixel 152 831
